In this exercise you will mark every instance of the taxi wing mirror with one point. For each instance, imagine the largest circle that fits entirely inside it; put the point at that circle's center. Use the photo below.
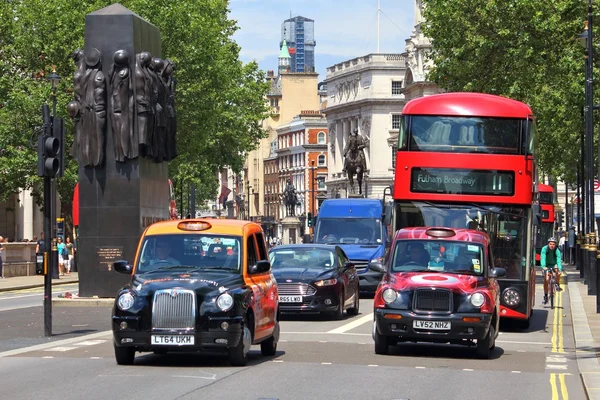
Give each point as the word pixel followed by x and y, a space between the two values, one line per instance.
pixel 498 272
pixel 377 267
pixel 122 267
pixel 260 267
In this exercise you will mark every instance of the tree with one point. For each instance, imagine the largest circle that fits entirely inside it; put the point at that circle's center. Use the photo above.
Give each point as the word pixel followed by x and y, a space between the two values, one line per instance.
pixel 220 100
pixel 521 49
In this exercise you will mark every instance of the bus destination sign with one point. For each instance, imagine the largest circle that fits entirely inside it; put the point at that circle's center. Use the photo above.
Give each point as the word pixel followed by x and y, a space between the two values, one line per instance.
pixel 462 181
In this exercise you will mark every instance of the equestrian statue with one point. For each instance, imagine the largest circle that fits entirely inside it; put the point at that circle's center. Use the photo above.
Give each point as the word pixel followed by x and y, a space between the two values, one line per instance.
pixel 354 159
pixel 290 198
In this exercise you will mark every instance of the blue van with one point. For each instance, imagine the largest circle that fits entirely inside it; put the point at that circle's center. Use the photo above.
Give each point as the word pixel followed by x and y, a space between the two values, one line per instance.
pixel 357 226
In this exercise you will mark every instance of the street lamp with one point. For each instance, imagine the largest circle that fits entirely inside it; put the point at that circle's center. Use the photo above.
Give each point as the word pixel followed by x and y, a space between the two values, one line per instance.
pixel 248 187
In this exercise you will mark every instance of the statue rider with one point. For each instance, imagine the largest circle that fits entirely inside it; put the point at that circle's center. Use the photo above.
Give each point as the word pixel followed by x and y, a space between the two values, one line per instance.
pixel 290 195
pixel 356 144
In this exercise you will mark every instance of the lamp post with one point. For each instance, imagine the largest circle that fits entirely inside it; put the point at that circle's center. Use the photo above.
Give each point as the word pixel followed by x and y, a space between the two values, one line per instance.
pixel 248 201
pixel 312 189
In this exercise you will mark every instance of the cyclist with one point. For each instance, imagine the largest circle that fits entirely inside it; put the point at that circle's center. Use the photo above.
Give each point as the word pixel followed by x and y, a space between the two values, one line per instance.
pixel 550 260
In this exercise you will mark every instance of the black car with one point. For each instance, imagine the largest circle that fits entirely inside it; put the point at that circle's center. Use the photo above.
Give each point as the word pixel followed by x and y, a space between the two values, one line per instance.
pixel 315 278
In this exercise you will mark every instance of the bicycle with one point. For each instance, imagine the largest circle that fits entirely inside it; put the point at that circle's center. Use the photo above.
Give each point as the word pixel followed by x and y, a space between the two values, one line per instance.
pixel 552 285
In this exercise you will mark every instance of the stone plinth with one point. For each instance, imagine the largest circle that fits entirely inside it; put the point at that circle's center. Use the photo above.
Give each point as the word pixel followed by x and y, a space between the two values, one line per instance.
pixel 291 230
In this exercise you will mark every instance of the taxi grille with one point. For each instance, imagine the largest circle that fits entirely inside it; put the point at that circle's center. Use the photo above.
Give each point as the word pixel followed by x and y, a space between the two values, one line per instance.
pixel 174 309
pixel 295 289
pixel 433 300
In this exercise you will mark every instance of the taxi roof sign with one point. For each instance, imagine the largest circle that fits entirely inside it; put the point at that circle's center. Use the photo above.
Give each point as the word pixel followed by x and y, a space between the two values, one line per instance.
pixel 440 232
pixel 193 225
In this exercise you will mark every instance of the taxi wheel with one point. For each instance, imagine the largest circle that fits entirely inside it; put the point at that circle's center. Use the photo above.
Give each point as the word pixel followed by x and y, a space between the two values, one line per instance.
pixel 485 345
pixel 269 346
pixel 238 355
pixel 382 342
pixel 124 355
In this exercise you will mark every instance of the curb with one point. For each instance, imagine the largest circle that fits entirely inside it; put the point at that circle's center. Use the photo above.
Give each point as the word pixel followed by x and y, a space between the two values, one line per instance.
pixel 82 302
pixel 33 286
pixel 587 359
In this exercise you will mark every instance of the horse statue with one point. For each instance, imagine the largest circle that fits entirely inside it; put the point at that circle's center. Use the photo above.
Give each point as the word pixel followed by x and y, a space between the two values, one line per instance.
pixel 290 199
pixel 355 162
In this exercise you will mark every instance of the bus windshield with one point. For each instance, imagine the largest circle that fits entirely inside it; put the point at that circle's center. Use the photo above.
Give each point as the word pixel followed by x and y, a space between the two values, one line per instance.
pixel 505 225
pixel 349 231
pixel 461 134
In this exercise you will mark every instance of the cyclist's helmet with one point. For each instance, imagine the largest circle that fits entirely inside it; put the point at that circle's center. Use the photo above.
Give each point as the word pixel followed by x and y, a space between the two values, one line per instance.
pixel 552 239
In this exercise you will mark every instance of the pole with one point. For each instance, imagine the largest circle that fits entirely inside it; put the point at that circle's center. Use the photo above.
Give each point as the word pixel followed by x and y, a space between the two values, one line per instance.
pixel 591 258
pixel 248 202
pixel 193 201
pixel 47 264
pixel 312 187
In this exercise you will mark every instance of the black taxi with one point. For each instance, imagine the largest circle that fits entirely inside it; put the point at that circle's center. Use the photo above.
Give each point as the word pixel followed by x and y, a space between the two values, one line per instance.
pixel 197 284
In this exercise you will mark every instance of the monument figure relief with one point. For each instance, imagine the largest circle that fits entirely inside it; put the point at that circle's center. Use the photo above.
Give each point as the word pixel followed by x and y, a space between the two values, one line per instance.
pixel 125 139
pixel 89 112
pixel 170 83
pixel 143 101
pixel 354 159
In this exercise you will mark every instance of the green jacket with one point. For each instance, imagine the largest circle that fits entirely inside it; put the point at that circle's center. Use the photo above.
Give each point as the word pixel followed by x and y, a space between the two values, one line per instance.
pixel 543 255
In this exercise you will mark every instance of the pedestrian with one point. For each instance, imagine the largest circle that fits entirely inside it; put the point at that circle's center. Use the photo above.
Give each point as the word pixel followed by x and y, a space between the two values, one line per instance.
pixel 62 255
pixel 561 246
pixel 1 255
pixel 70 255
pixel 39 248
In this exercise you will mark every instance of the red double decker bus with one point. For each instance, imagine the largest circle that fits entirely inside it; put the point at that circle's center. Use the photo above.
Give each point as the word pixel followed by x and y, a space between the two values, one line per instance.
pixel 546 231
pixel 465 160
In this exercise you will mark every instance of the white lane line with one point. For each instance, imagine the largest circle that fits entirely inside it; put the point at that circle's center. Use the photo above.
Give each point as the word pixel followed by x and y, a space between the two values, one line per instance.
pixel 353 324
pixel 467 369
pixel 279 361
pixel 48 357
pixel 55 344
pixel 514 342
pixel 91 342
pixel 95 358
pixel 372 365
pixel 550 366
pixel 516 372
pixel 420 367
pixel 556 359
pixel 196 377
pixel 325 363
pixel 61 348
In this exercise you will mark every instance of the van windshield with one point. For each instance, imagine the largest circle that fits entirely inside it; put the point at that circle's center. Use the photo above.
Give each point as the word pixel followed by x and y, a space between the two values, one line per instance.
pixel 349 231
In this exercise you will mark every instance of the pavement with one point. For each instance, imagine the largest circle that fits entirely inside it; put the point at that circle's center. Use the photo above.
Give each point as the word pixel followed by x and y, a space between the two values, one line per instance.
pixel 585 321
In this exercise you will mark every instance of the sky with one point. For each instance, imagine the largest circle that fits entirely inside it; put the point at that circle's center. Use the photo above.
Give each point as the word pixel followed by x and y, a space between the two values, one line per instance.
pixel 344 29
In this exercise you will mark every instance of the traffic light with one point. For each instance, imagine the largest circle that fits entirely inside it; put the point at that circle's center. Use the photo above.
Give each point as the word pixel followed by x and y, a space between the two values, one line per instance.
pixel 50 149
pixel 560 218
pixel 310 219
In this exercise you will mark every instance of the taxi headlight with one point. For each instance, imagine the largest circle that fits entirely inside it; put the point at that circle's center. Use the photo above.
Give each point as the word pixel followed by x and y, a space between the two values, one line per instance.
pixel 389 295
pixel 511 297
pixel 225 302
pixel 125 301
pixel 477 299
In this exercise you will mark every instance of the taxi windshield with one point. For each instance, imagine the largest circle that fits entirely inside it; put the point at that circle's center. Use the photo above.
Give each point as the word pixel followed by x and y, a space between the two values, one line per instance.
pixel 437 255
pixel 190 251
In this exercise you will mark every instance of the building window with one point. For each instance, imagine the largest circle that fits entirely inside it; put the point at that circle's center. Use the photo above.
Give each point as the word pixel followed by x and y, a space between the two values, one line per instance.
pixel 396 119
pixel 396 87
pixel 321 183
pixel 321 160
pixel 394 151
pixel 321 138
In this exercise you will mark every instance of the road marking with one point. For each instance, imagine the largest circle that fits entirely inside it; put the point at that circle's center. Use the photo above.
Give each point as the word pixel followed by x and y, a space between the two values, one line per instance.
pixel 91 342
pixel 196 377
pixel 516 372
pixel 95 358
pixel 32 295
pixel 420 367
pixel 48 357
pixel 44 346
pixel 551 359
pixel 353 324
pixel 61 348
pixel 563 386
pixel 467 369
pixel 322 341
pixel 557 325
pixel 556 366
pixel 372 365
pixel 279 361
pixel 325 363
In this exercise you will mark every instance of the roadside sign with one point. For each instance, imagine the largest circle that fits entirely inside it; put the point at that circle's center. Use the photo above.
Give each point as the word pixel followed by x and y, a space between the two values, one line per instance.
pixel 596 186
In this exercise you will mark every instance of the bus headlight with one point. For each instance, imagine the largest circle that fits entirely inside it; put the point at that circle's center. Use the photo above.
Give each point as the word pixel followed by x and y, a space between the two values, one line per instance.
pixel 511 297
pixel 125 301
pixel 225 302
pixel 389 295
pixel 477 299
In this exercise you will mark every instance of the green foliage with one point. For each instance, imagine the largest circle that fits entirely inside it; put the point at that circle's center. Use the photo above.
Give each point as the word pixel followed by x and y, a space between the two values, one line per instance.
pixel 220 100
pixel 522 49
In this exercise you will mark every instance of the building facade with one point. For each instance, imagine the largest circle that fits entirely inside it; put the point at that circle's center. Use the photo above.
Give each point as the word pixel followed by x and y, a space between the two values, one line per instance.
pixel 299 33
pixel 365 93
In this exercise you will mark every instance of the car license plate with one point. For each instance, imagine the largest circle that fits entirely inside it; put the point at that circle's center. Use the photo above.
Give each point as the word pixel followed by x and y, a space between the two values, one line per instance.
pixel 433 325
pixel 173 340
pixel 290 299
